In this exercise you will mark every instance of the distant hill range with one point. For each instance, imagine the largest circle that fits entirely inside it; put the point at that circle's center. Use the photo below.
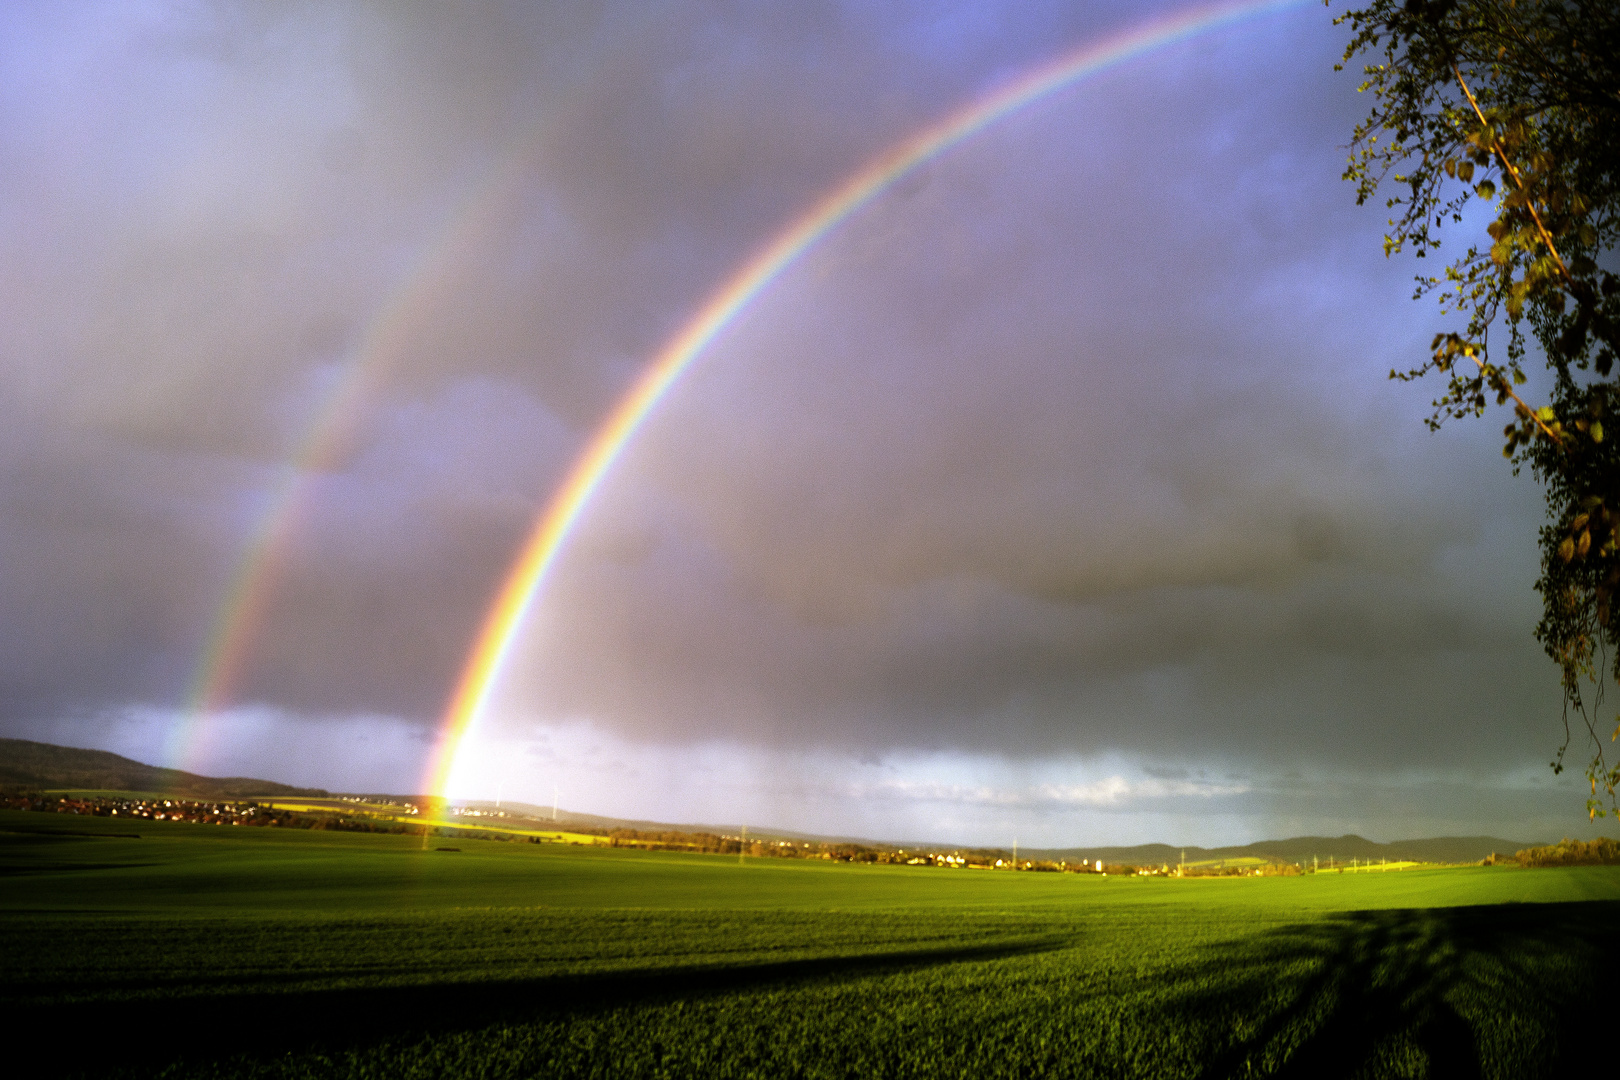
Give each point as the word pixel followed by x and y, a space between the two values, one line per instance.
pixel 1302 849
pixel 1444 849
pixel 36 765
pixel 577 820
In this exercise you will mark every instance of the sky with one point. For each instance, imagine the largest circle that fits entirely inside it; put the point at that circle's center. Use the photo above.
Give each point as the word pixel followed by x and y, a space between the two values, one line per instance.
pixel 1059 495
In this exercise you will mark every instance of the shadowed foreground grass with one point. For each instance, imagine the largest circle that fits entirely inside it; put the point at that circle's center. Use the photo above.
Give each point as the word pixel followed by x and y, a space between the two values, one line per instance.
pixel 947 974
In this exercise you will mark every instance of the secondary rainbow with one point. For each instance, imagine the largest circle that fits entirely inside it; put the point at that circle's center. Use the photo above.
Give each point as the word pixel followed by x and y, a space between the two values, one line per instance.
pixel 523 582
pixel 423 287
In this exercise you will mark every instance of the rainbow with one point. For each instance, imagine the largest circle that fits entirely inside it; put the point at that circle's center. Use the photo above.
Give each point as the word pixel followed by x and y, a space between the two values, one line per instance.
pixel 420 290
pixel 523 582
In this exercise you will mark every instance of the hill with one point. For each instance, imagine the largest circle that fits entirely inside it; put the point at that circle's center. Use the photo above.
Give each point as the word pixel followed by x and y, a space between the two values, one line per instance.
pixel 577 819
pixel 26 764
pixel 1441 849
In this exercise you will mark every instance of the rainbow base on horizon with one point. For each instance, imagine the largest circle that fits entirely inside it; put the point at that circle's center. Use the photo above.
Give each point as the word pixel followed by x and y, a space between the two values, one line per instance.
pixel 528 574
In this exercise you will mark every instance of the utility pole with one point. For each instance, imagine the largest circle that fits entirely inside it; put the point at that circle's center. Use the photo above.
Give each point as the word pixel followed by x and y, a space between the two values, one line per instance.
pixel 1015 853
pixel 553 804
pixel 741 847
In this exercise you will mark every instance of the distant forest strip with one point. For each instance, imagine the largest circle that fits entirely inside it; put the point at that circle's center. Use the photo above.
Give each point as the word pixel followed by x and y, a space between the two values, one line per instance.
pixel 1599 852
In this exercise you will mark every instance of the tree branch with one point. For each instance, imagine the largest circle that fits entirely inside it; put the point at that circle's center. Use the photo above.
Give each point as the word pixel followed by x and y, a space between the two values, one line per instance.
pixel 1518 182
pixel 1487 371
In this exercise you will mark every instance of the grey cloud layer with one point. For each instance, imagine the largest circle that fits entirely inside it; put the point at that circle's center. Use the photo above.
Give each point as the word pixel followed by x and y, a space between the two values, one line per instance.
pixel 208 210
pixel 1075 442
pixel 1067 449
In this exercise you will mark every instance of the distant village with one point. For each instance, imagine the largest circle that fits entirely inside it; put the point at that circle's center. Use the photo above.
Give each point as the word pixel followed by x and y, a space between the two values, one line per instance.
pixel 203 812
pixel 402 816
pixel 375 815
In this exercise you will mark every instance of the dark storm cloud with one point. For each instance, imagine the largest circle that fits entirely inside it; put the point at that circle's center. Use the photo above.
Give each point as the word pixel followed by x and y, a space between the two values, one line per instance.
pixel 1082 445
pixel 208 208
pixel 109 562
pixel 1076 442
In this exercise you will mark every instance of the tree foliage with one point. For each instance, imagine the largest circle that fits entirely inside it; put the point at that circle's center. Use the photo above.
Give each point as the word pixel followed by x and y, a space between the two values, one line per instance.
pixel 1509 111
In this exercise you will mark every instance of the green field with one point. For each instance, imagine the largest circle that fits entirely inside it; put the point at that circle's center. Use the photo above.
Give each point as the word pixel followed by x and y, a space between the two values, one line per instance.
pixel 198 950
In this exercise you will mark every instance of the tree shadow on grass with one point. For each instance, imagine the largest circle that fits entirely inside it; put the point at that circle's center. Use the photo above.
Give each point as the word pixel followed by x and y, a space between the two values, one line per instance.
pixel 150 1032
pixel 1465 992
pixel 68 868
pixel 1513 990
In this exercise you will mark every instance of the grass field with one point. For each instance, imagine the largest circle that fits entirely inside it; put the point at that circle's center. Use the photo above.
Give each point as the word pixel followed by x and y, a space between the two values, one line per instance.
pixel 197 950
pixel 396 814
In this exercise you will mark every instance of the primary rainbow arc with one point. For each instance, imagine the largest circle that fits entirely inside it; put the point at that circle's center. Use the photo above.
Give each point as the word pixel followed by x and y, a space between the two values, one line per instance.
pixel 523 582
